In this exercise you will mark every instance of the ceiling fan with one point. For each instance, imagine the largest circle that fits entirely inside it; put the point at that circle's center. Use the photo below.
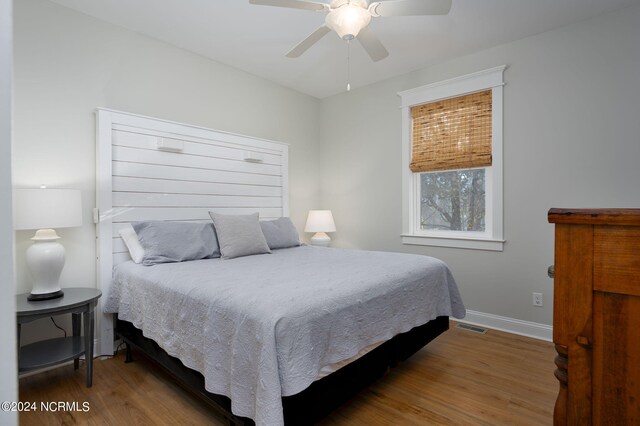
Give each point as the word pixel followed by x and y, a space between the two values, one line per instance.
pixel 350 19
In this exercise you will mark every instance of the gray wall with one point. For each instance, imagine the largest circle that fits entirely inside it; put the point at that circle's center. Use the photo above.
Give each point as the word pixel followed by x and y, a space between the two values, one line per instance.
pixel 67 64
pixel 8 375
pixel 571 139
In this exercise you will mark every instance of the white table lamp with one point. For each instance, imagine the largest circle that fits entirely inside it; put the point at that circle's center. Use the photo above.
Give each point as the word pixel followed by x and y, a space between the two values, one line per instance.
pixel 320 222
pixel 45 209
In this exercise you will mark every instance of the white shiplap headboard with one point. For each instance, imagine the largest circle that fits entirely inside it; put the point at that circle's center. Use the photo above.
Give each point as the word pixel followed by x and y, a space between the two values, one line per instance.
pixel 152 169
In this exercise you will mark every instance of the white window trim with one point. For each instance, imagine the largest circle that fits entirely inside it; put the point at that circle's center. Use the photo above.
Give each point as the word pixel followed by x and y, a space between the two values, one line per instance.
pixel 493 238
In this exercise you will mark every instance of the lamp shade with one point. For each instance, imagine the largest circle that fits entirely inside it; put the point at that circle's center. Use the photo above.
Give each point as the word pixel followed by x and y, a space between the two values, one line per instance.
pixel 320 221
pixel 46 208
pixel 347 20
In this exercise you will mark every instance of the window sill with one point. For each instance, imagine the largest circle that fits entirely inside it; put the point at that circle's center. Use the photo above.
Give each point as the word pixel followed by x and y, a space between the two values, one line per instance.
pixel 454 242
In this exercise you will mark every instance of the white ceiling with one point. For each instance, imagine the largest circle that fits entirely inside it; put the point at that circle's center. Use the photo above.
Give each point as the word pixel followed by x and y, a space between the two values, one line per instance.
pixel 256 38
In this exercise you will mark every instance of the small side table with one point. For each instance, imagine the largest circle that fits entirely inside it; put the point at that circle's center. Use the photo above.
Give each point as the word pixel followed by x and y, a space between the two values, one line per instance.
pixel 45 353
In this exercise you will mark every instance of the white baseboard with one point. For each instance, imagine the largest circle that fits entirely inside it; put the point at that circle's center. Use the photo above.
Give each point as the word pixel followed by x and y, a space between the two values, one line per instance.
pixel 510 325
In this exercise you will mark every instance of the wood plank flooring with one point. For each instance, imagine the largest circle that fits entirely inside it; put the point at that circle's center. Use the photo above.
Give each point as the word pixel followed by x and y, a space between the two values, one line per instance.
pixel 461 378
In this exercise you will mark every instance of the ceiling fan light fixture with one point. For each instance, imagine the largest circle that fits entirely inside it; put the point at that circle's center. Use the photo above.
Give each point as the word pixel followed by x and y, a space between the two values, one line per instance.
pixel 350 19
pixel 347 20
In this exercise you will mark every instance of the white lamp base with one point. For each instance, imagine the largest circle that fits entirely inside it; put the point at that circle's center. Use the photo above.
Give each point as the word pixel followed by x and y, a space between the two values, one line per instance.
pixel 320 239
pixel 45 260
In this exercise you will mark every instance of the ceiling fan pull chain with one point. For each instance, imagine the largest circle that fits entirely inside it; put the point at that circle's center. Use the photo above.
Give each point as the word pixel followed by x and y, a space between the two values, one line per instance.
pixel 348 65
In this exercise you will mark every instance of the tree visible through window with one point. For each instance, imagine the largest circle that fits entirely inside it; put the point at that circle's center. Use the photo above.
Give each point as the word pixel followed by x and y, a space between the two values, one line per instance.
pixel 453 200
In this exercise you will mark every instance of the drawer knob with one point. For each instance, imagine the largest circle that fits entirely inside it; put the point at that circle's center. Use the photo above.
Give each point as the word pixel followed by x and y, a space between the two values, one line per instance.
pixel 583 341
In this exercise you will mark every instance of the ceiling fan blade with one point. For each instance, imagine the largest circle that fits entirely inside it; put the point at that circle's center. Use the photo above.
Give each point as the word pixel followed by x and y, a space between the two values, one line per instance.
pixel 410 7
pixel 292 4
pixel 308 42
pixel 372 44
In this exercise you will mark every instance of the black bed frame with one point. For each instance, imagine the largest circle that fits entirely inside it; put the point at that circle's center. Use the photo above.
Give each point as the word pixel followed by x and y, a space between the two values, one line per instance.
pixel 319 399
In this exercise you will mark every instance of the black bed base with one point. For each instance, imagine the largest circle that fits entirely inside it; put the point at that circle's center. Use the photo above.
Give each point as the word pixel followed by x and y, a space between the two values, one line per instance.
pixel 319 399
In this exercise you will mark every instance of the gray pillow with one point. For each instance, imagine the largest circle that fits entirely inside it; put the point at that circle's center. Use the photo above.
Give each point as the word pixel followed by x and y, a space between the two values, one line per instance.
pixel 165 242
pixel 280 233
pixel 239 235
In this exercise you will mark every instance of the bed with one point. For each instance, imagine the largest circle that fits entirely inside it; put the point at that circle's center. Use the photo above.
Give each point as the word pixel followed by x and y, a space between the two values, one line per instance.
pixel 271 338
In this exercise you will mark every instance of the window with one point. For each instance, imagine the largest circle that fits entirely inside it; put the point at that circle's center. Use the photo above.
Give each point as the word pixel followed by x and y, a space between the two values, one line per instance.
pixel 452 155
pixel 453 200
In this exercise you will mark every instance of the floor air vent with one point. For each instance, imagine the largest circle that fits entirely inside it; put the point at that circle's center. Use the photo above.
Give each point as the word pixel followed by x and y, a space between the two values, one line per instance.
pixel 472 328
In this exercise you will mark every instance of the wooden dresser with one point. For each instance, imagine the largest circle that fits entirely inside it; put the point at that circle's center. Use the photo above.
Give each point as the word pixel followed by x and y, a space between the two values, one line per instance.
pixel 596 316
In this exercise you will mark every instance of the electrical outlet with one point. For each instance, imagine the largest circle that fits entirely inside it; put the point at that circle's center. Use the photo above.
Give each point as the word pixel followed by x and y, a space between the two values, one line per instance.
pixel 537 299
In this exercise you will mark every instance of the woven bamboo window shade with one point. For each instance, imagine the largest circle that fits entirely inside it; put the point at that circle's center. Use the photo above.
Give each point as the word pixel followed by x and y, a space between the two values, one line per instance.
pixel 452 133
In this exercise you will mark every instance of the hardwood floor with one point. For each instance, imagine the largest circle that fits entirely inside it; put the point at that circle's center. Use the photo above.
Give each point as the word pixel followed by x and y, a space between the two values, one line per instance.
pixel 461 378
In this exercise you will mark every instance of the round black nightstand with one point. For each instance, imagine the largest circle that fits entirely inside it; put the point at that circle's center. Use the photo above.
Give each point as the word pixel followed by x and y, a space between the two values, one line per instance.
pixel 45 353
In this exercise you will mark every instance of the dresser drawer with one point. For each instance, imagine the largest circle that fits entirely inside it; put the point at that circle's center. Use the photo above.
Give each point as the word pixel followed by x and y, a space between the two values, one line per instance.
pixel 616 266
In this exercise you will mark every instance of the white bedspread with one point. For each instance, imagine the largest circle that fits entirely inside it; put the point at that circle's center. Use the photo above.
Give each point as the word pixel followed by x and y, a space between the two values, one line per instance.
pixel 262 327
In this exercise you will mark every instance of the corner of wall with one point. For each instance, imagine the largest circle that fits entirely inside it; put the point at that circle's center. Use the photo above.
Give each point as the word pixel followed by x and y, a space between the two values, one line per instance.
pixel 8 372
